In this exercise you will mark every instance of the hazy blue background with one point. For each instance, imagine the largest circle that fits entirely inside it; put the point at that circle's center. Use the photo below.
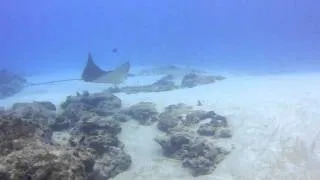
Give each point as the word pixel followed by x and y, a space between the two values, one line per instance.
pixel 246 35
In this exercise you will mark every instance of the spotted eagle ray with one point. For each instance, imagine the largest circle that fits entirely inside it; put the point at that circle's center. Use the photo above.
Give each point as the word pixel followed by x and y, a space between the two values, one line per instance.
pixel 94 74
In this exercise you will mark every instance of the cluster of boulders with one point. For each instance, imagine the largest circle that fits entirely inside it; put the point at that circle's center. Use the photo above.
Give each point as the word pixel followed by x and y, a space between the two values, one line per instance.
pixel 30 149
pixel 186 131
pixel 93 125
pixel 10 83
pixel 78 140
pixel 168 83
pixel 26 153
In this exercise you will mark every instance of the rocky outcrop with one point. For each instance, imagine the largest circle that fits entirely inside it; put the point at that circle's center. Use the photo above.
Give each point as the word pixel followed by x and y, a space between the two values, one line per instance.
pixel 95 125
pixel 92 151
pixel 112 163
pixel 30 146
pixel 25 155
pixel 217 127
pixel 196 154
pixel 172 116
pixel 84 106
pixel 100 134
pixel 144 112
pixel 184 142
pixel 104 103
pixel 44 112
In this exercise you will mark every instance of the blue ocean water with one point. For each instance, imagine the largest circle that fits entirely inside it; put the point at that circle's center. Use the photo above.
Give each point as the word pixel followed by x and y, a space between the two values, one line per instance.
pixel 266 36
pixel 223 36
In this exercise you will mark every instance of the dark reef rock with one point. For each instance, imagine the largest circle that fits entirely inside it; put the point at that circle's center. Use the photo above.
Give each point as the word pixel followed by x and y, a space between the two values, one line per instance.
pixel 172 116
pixel 104 103
pixel 168 121
pixel 47 162
pixel 99 132
pixel 183 142
pixel 10 83
pixel 144 112
pixel 218 127
pixel 99 125
pixel 24 155
pixel 180 115
pixel 102 143
pixel 121 117
pixel 193 79
pixel 91 150
pixel 111 156
pixel 85 106
pixel 210 130
pixel 224 133
pixel 44 112
pixel 13 127
pixel 15 133
pixel 70 115
pixel 195 117
pixel 112 163
pixel 178 109
pixel 200 156
pixel 174 146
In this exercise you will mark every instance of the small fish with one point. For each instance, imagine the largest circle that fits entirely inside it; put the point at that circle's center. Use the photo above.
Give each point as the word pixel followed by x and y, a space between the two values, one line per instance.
pixel 82 140
pixel 115 50
pixel 199 103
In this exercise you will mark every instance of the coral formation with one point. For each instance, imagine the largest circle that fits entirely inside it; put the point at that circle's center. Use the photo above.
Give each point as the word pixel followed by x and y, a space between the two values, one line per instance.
pixel 79 139
pixel 93 151
pixel 184 143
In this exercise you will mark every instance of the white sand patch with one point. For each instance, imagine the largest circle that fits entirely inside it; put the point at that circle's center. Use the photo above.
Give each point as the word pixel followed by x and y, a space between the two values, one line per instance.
pixel 267 115
pixel 275 120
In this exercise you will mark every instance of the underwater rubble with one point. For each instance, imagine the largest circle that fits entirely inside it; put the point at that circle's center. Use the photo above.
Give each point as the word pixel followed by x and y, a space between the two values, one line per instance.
pixel 188 145
pixel 93 151
pixel 10 83
pixel 24 154
pixel 30 147
pixel 144 112
pixel 90 116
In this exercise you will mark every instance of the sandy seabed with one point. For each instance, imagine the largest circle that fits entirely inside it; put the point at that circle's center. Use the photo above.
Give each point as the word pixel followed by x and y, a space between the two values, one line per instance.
pixel 275 122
